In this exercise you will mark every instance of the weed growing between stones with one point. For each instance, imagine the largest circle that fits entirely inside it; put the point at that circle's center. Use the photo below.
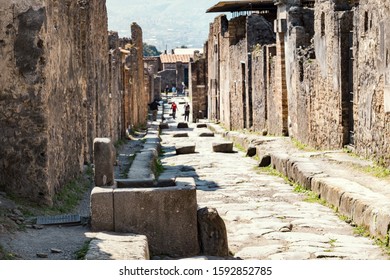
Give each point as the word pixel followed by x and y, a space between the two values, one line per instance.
pixel 159 168
pixel 4 255
pixel 70 195
pixel 82 253
pixel 300 146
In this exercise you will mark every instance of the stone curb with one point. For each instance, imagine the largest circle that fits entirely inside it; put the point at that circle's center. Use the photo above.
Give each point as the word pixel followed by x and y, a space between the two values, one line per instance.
pixel 144 163
pixel 363 206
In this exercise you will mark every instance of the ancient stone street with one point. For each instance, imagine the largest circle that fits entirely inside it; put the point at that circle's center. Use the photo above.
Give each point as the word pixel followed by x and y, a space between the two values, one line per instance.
pixel 265 218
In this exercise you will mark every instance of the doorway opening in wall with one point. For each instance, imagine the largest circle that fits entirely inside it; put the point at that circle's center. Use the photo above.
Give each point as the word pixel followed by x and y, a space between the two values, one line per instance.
pixel 243 77
pixel 351 119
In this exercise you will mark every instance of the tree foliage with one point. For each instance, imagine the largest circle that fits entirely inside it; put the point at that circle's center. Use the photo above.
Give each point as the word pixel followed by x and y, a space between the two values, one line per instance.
pixel 150 50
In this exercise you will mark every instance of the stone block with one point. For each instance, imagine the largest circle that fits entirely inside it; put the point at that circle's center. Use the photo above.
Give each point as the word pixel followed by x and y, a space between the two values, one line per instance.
pixel 181 134
pixel 182 125
pixel 167 216
pixel 164 126
pixel 185 149
pixel 206 134
pixel 223 147
pixel 251 152
pixel 212 233
pixel 102 209
pixel 265 161
pixel 118 246
pixel 103 159
pixel 201 125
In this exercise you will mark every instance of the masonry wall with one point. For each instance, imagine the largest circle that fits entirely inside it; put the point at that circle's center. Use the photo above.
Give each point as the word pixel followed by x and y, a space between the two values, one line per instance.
pixel 372 80
pixel 218 70
pixel 198 87
pixel 136 92
pixel 54 80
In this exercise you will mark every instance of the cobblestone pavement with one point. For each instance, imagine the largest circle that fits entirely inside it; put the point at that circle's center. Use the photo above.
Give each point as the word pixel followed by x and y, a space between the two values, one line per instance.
pixel 264 216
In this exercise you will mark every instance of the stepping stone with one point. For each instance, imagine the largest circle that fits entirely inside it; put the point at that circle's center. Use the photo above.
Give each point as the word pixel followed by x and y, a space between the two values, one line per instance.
pixel 182 134
pixel 182 125
pixel 223 147
pixel 265 161
pixel 206 134
pixel 251 151
pixel 201 125
pixel 164 126
pixel 185 149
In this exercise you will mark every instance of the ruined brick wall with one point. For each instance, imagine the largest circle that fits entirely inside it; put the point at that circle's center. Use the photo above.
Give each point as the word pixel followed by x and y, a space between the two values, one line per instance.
pixel 217 69
pixel 332 27
pixel 116 87
pixel 259 87
pixel 136 96
pixel 278 110
pixel 238 71
pixel 54 80
pixel 298 59
pixel 372 79
pixel 198 87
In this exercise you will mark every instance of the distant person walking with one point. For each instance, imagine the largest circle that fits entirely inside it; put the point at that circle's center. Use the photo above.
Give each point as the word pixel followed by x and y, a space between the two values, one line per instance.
pixel 166 90
pixel 186 112
pixel 154 108
pixel 174 109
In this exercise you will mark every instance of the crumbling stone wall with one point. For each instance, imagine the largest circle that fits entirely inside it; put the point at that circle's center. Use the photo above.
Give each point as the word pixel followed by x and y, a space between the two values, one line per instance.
pixel 136 97
pixel 116 87
pixel 198 87
pixel 54 92
pixel 372 79
pixel 231 79
pixel 218 71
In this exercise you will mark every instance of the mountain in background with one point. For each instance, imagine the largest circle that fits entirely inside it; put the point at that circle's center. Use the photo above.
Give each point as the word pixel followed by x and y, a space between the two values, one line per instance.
pixel 166 24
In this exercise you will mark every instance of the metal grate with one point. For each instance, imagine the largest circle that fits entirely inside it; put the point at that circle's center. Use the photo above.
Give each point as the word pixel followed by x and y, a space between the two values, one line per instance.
pixel 60 219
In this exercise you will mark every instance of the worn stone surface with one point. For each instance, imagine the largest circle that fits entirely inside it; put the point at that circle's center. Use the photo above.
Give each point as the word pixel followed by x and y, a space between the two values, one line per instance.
pixel 264 217
pixel 102 209
pixel 118 246
pixel 167 216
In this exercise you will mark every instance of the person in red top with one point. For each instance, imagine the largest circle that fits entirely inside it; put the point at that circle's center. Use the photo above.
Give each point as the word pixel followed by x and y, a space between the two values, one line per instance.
pixel 174 108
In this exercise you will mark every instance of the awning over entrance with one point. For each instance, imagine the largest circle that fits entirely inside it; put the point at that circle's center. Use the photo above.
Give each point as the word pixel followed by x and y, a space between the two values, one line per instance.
pixel 242 6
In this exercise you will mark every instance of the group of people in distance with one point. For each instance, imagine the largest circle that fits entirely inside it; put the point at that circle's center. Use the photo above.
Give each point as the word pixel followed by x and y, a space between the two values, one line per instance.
pixel 154 108
pixel 174 89
pixel 186 111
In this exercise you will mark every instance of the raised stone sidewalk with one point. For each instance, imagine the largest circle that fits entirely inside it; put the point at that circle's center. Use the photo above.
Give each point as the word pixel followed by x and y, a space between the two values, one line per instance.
pixel 337 177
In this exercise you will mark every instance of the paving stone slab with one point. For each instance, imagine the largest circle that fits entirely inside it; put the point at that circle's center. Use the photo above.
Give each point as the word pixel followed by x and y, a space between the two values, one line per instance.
pixel 185 149
pixel 222 147
pixel 118 246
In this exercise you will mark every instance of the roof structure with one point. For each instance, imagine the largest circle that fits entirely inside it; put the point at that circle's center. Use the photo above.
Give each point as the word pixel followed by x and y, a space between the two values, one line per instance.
pixel 248 6
pixel 173 58
pixel 242 6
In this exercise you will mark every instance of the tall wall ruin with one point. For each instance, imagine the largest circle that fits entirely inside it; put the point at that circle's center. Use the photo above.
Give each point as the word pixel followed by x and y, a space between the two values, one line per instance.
pixel 371 79
pixel 325 82
pixel 61 86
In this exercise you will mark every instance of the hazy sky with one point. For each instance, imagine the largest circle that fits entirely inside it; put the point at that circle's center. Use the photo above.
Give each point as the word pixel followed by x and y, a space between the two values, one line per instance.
pixel 165 23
